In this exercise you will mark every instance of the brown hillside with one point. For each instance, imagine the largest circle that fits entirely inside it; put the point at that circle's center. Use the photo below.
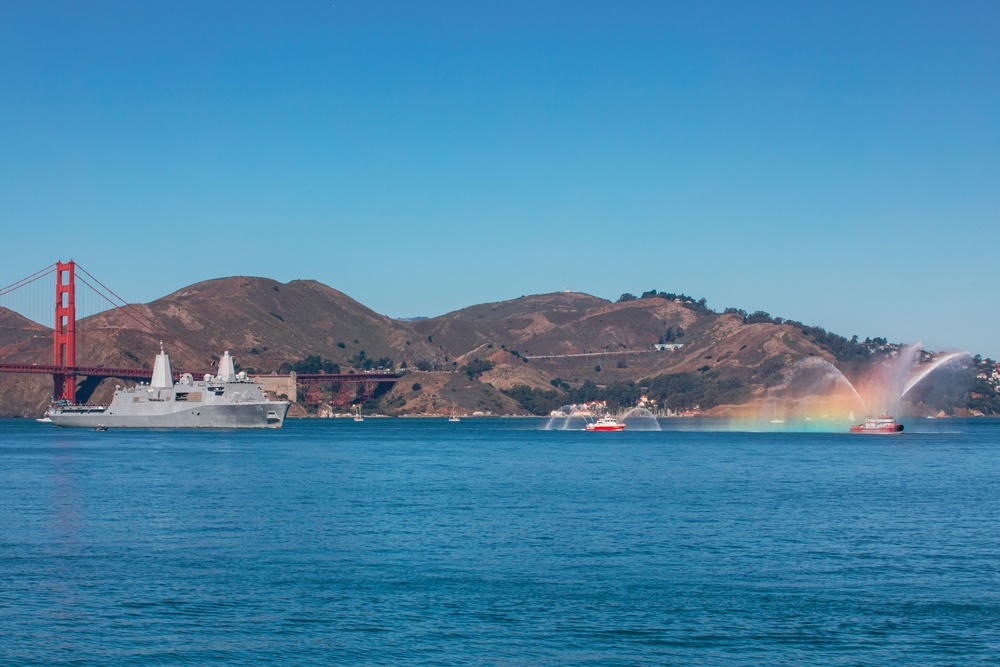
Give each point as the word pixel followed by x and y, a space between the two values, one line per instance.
pixel 443 393
pixel 15 328
pixel 264 323
pixel 569 336
pixel 507 323
pixel 23 341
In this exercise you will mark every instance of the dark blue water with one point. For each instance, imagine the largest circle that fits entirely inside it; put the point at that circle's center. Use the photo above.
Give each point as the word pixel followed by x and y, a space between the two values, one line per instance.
pixel 493 542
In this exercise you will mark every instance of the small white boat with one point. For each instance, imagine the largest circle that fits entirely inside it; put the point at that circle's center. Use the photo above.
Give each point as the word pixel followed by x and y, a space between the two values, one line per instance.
pixel 44 420
pixel 357 415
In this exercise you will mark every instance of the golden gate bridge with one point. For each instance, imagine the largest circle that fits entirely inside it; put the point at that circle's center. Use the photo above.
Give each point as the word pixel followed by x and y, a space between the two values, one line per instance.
pixel 23 337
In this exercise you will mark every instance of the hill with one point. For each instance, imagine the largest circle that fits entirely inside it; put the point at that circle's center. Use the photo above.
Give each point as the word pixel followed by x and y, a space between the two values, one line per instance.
pixel 552 349
pixel 266 323
pixel 564 341
pixel 554 330
pixel 517 356
pixel 15 329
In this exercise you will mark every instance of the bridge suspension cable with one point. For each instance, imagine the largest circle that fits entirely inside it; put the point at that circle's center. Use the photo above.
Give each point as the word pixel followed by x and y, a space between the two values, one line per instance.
pixel 133 313
pixel 31 297
pixel 38 275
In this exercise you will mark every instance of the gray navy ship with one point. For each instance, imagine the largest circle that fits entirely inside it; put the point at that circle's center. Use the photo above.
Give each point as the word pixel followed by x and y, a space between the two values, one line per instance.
pixel 226 400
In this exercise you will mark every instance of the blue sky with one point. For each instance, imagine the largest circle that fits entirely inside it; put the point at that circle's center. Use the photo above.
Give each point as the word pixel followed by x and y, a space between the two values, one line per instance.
pixel 835 163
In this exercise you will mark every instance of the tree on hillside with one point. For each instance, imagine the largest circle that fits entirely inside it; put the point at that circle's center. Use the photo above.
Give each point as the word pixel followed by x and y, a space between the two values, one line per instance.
pixel 585 393
pixel 769 373
pixel 681 391
pixel 558 383
pixel 475 368
pixel 621 394
pixel 758 317
pixel 362 362
pixel 311 365
pixel 535 401
pixel 843 349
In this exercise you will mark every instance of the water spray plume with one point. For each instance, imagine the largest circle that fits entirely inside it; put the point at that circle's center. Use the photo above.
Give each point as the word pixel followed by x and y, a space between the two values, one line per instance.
pixel 568 418
pixel 883 387
pixel 575 418
pixel 641 419
pixel 829 372
pixel 936 364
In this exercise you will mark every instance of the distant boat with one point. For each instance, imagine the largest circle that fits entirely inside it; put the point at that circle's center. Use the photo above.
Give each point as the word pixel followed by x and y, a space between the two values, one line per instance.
pixel 453 417
pixel 357 415
pixel 44 420
pixel 884 423
pixel 776 419
pixel 606 424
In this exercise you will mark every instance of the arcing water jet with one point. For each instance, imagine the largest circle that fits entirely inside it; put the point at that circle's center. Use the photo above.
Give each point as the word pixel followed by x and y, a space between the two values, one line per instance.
pixel 887 384
pixel 831 372
pixel 933 366
pixel 641 419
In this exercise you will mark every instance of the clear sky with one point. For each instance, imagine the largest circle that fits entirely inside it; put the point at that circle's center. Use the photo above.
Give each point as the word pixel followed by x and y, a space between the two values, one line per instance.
pixel 836 163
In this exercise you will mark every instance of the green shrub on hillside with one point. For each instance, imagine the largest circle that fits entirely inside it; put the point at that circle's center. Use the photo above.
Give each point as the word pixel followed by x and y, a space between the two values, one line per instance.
pixel 680 391
pixel 311 365
pixel 535 401
pixel 475 368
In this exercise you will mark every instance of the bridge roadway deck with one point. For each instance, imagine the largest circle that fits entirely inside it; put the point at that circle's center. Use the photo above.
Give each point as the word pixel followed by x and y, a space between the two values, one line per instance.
pixel 145 373
pixel 346 377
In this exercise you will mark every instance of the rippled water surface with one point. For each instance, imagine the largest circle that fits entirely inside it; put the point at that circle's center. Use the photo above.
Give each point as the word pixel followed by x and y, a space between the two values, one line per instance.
pixel 495 542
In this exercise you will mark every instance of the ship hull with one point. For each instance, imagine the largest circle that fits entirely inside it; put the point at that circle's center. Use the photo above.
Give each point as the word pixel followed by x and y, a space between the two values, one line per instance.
pixel 881 430
pixel 267 415
pixel 605 425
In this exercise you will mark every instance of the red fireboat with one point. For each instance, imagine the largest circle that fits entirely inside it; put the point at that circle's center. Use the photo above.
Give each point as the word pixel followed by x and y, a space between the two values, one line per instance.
pixel 606 424
pixel 884 423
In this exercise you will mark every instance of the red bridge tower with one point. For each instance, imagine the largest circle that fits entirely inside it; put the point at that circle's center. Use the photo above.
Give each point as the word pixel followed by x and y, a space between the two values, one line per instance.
pixel 64 332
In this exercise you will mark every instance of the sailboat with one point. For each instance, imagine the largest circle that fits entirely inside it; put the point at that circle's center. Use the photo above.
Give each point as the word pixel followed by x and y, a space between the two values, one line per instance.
pixel 453 417
pixel 776 419
pixel 357 415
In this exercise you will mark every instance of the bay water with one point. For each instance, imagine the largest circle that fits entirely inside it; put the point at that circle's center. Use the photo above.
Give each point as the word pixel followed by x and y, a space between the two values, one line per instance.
pixel 498 542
